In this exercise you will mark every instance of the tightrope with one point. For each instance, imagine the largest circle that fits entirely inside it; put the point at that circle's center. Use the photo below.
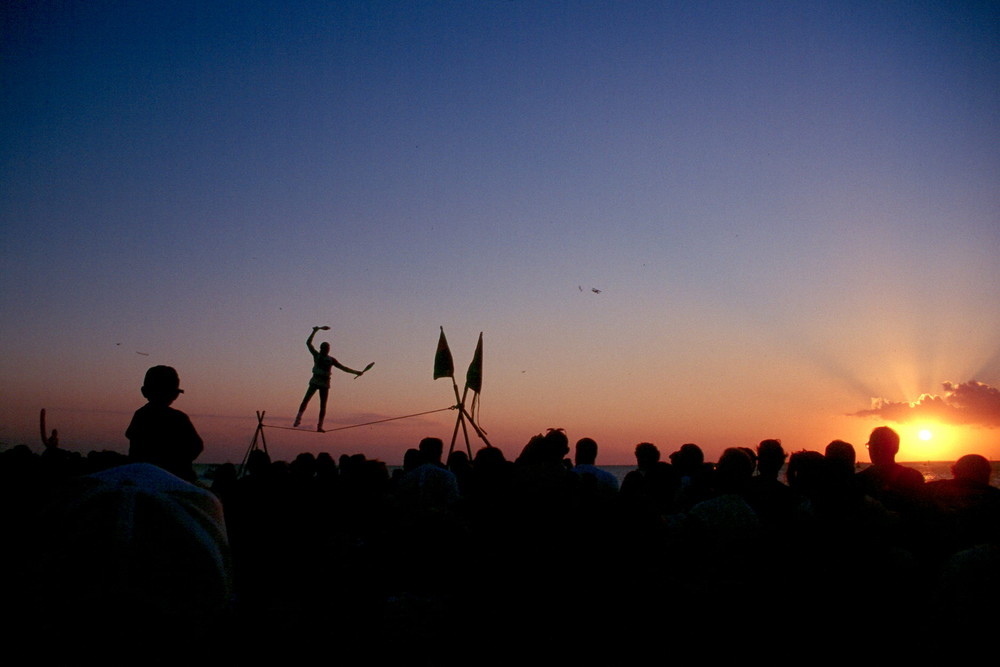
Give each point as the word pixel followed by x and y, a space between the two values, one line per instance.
pixel 377 421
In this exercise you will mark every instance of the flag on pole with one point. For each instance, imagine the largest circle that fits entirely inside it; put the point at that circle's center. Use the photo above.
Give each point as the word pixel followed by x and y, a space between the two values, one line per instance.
pixel 474 377
pixel 444 367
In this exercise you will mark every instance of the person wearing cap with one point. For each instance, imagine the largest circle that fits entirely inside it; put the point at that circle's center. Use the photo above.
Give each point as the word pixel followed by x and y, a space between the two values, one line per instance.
pixel 159 434
pixel 323 364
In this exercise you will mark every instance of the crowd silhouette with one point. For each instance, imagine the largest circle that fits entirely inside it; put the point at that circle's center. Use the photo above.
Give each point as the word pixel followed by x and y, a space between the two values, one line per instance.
pixel 488 560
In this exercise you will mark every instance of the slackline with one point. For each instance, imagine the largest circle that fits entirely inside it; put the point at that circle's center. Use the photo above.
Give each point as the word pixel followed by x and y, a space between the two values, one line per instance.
pixel 341 428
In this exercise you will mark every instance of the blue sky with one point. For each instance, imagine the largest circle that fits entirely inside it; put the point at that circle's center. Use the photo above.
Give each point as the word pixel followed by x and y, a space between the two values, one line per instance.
pixel 790 209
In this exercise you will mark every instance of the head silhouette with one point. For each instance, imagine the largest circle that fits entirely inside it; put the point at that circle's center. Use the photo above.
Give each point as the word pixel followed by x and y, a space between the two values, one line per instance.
pixel 555 444
pixel 412 459
pixel 807 473
pixel 770 457
pixel 324 348
pixel 734 470
pixel 431 449
pixel 161 385
pixel 586 451
pixel 647 455
pixel 840 457
pixel 972 468
pixel 883 445
pixel 688 459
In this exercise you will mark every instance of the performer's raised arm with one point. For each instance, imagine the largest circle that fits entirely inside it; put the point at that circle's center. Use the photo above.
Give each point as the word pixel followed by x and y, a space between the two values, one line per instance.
pixel 309 341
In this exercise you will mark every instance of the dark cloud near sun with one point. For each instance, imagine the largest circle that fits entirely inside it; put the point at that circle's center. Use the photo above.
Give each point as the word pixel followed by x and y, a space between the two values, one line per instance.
pixel 969 403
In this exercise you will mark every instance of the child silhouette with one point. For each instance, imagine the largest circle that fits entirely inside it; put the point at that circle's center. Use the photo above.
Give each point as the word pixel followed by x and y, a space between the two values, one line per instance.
pixel 160 434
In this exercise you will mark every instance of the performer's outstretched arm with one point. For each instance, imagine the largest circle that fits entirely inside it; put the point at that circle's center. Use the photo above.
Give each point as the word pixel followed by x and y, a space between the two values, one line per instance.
pixel 345 368
pixel 309 341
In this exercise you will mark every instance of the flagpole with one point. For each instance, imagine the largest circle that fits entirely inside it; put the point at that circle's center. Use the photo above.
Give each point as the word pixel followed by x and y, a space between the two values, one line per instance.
pixel 479 431
pixel 460 420
pixel 444 366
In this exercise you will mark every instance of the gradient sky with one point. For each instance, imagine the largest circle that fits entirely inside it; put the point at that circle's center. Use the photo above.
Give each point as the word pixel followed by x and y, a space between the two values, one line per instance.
pixel 791 211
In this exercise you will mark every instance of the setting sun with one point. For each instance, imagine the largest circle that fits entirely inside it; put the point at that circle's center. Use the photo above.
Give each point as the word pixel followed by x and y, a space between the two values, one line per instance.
pixel 930 442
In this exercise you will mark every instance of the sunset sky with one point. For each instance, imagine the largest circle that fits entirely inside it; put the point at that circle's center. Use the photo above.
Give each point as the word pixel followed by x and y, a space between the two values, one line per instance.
pixel 709 222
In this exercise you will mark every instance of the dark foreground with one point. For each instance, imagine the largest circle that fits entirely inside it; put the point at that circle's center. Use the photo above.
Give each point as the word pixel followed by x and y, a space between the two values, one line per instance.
pixel 505 561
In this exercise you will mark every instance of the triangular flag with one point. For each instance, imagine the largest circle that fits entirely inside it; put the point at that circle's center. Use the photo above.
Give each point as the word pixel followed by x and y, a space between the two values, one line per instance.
pixel 474 377
pixel 444 367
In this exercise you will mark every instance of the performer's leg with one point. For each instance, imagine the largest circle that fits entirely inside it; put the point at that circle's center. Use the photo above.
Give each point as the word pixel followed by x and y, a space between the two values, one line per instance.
pixel 305 401
pixel 324 393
